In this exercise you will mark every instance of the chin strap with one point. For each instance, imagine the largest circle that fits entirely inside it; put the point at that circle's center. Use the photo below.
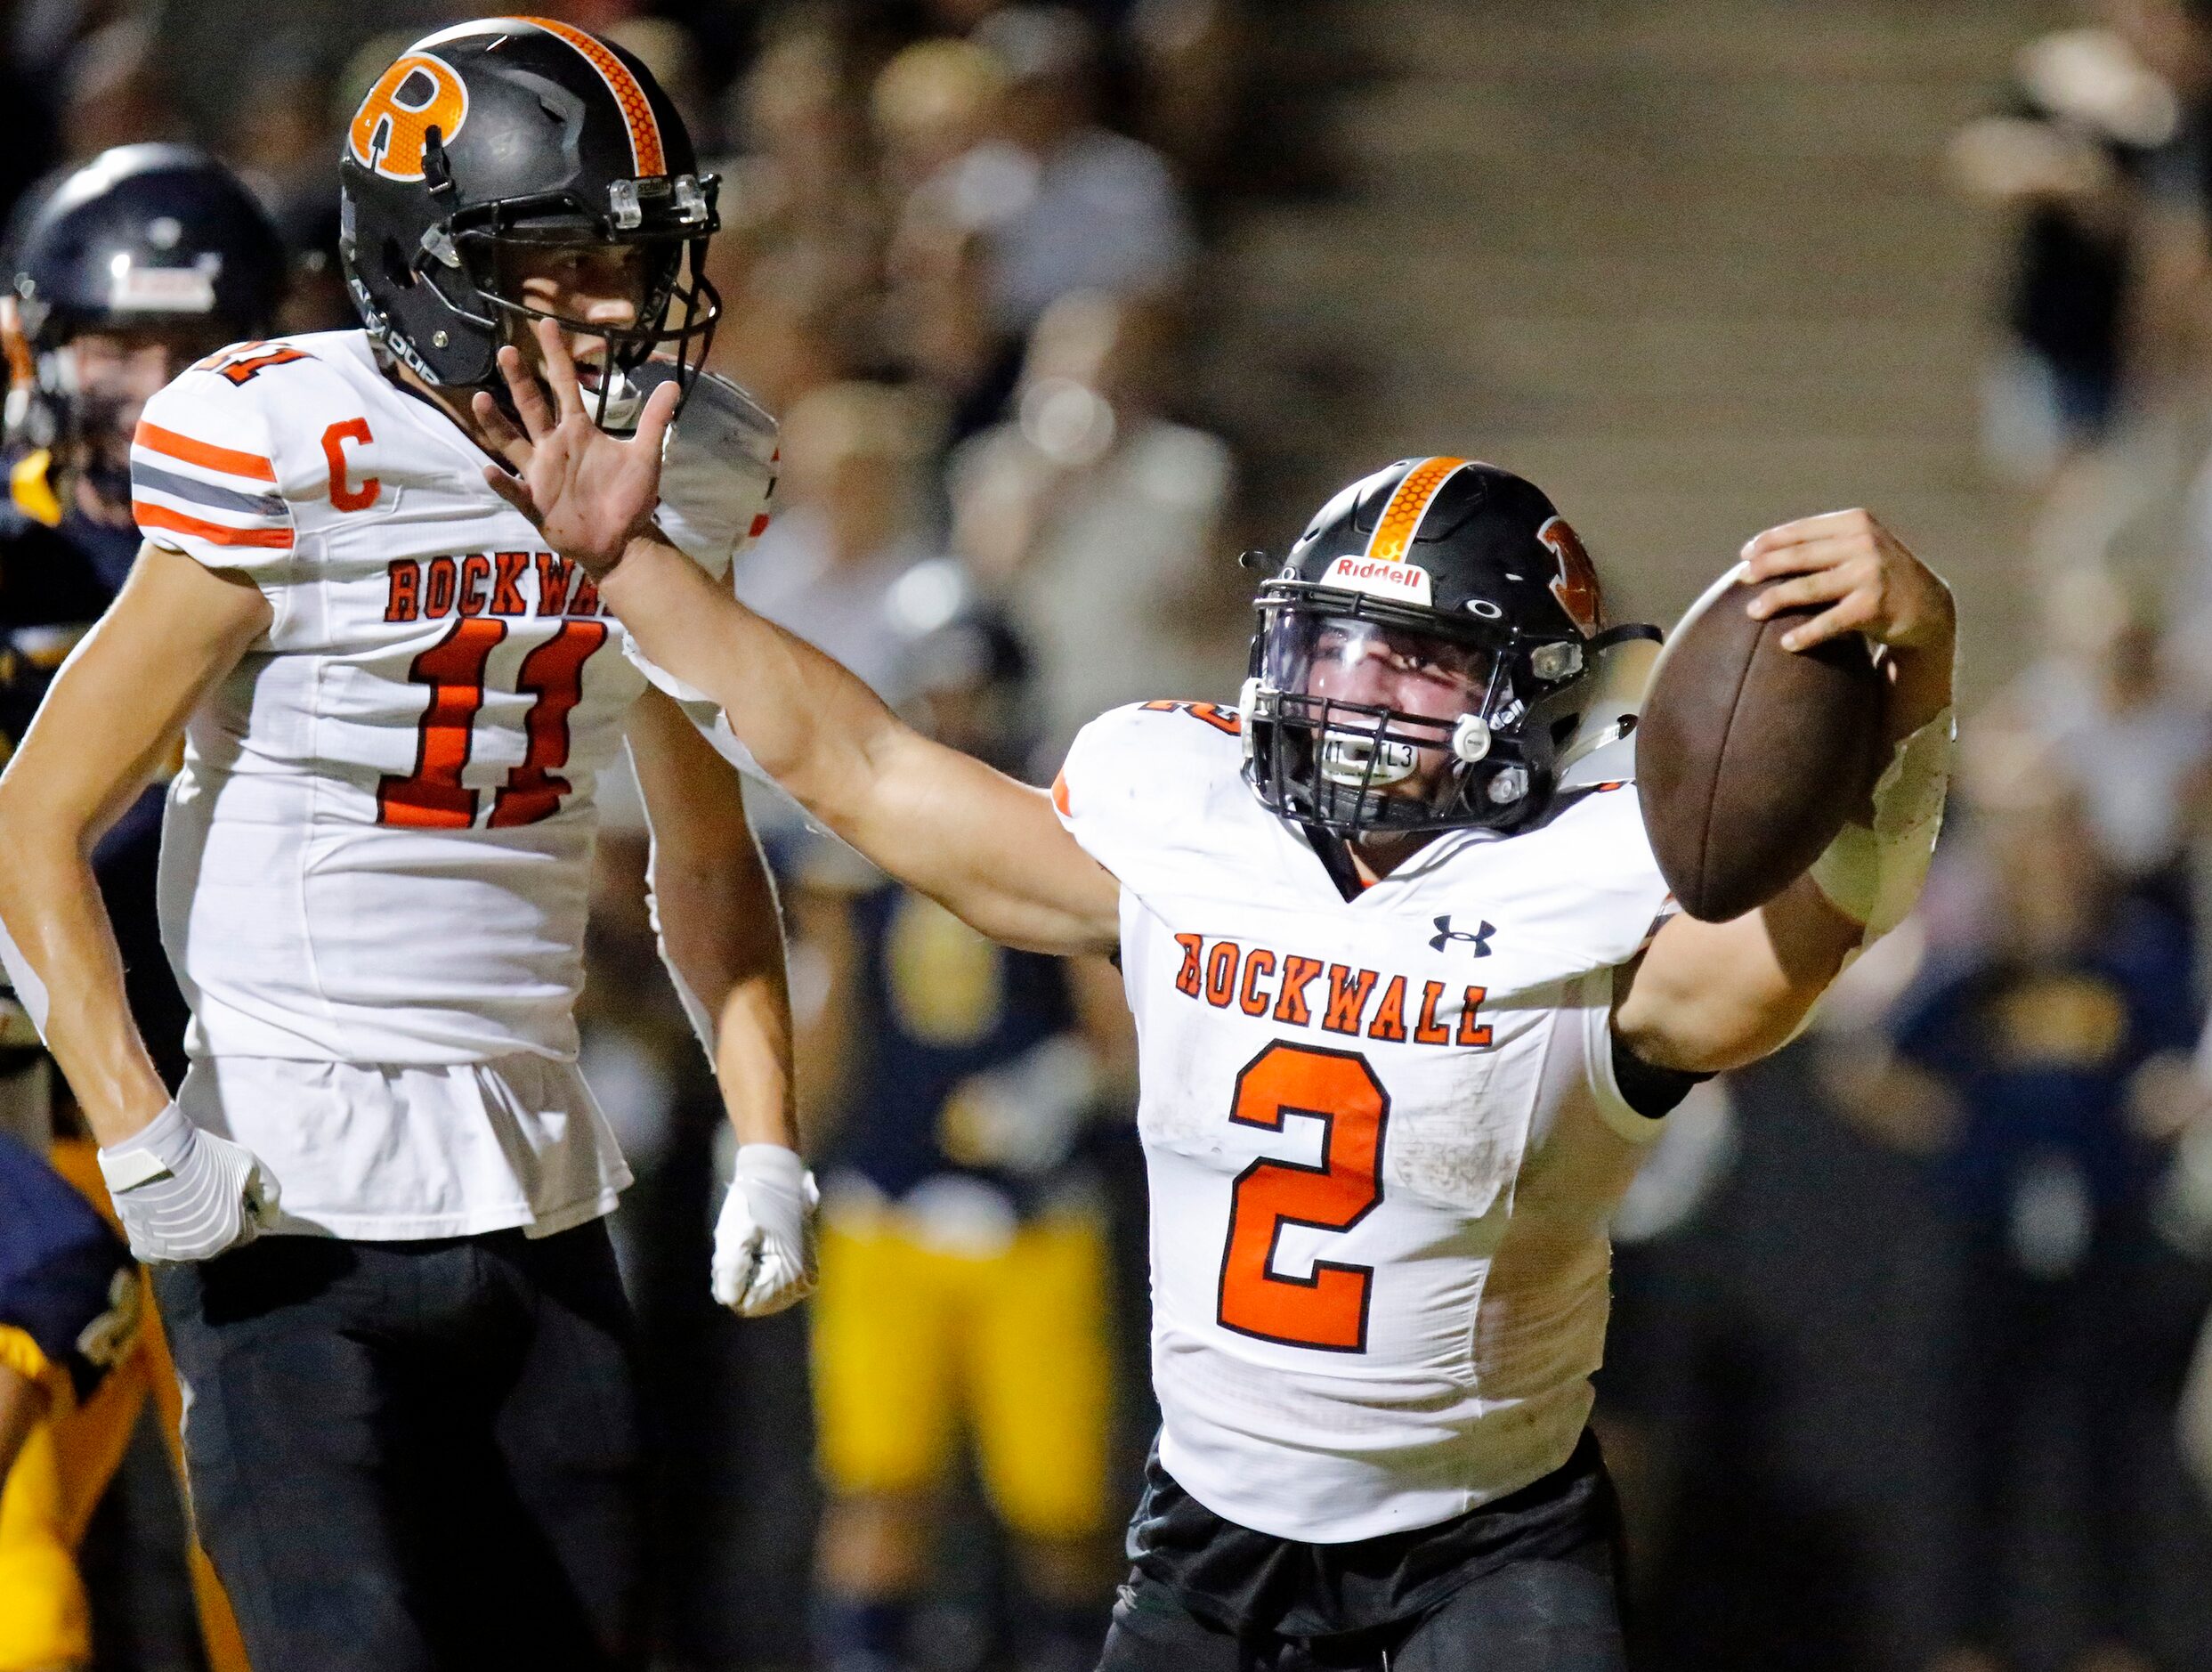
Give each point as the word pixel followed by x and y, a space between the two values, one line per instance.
pixel 1335 855
pixel 1873 876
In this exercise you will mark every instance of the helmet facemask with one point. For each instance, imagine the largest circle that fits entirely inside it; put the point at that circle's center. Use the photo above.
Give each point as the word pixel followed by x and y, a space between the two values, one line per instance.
pixel 1364 716
pixel 473 263
pixel 671 281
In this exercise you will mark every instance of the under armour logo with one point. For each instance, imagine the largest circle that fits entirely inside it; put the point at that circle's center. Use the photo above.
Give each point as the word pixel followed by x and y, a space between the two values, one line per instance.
pixel 1445 934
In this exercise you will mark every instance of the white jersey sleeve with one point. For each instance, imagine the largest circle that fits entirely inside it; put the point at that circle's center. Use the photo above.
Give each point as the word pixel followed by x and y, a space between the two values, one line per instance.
pixel 205 478
pixel 1135 789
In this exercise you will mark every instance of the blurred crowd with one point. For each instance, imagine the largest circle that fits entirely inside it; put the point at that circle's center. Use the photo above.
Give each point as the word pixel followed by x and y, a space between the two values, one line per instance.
pixel 1906 1370
pixel 963 246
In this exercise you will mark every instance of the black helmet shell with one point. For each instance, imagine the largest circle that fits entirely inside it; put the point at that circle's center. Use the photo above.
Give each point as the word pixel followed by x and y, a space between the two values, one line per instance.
pixel 1443 548
pixel 519 131
pixel 144 235
pixel 1488 546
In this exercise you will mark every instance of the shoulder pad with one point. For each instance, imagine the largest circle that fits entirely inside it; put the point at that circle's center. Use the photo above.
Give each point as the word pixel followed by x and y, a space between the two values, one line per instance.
pixel 204 479
pixel 1139 779
pixel 718 472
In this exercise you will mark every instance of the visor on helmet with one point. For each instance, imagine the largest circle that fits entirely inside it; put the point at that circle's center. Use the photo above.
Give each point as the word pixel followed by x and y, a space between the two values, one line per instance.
pixel 1373 724
pixel 1419 685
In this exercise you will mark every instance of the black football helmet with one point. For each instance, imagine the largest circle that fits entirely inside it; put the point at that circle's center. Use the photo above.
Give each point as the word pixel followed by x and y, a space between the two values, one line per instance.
pixel 142 238
pixel 508 134
pixel 1439 612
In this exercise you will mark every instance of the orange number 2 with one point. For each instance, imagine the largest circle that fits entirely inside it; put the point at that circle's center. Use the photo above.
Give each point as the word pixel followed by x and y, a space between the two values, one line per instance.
pixel 1329 1309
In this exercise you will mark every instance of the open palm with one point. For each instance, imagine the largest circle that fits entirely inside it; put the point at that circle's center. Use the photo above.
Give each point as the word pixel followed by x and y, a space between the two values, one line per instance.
pixel 589 492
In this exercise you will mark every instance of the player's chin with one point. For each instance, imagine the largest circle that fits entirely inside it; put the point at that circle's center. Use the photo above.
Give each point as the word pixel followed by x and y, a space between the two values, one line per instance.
pixel 1347 799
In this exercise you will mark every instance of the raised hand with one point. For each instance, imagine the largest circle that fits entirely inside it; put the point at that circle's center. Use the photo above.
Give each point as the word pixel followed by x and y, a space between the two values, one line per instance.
pixel 589 493
pixel 1864 575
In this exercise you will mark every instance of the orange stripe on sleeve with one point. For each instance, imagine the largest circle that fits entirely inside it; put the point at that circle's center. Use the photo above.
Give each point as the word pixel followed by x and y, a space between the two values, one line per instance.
pixel 156 440
pixel 150 516
pixel 1059 795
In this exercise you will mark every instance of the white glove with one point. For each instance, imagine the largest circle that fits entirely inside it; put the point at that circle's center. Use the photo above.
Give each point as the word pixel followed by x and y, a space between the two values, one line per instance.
pixel 184 1194
pixel 763 1242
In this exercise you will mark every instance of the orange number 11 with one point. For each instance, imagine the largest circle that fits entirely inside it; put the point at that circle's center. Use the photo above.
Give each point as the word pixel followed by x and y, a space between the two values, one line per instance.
pixel 433 796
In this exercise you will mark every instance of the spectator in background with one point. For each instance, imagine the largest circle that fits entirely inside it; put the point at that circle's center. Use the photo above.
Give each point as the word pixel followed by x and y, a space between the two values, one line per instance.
pixel 2112 721
pixel 2171 327
pixel 934 104
pixel 2084 115
pixel 1065 205
pixel 1192 56
pixel 280 141
pixel 799 258
pixel 1010 196
pixel 114 93
pixel 1098 517
pixel 2040 1045
pixel 847 528
pixel 964 1246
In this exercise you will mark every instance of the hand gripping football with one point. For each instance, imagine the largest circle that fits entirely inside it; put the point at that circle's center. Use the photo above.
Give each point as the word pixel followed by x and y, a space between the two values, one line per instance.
pixel 1750 757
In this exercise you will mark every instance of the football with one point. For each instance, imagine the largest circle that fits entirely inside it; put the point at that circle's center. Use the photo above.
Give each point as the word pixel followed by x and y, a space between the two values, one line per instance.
pixel 1750 757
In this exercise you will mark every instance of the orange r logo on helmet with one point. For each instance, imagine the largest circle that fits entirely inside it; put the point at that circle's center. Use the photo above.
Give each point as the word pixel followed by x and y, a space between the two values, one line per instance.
pixel 1575 586
pixel 415 94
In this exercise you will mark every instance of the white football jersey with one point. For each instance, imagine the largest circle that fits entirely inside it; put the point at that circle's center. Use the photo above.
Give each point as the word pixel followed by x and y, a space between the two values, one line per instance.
pixel 378 848
pixel 1383 1135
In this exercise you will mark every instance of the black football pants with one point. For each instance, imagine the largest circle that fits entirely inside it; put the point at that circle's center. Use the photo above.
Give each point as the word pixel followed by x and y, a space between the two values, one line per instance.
pixel 417 1457
pixel 1545 1616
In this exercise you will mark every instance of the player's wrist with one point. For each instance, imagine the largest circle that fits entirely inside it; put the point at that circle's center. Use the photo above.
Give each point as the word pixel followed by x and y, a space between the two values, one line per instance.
pixel 119 1119
pixel 644 544
pixel 1873 873
pixel 770 1163
pixel 162 1145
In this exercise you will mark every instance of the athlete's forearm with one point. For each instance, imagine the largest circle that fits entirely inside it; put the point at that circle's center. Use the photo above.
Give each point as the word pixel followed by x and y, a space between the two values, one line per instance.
pixel 1919 682
pixel 722 940
pixel 989 849
pixel 753 1061
pixel 63 952
pixel 1707 997
pixel 111 719
pixel 714 910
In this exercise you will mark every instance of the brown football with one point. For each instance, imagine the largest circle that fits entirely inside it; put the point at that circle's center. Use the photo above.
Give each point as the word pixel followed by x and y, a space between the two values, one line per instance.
pixel 1750 757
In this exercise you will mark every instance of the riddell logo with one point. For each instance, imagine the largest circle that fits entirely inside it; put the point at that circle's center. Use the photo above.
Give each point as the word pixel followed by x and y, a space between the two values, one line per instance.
pixel 1379 577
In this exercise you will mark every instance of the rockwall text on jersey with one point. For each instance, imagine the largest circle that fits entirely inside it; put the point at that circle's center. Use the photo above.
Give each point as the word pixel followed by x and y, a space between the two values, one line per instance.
pixel 1383 1135
pixel 377 850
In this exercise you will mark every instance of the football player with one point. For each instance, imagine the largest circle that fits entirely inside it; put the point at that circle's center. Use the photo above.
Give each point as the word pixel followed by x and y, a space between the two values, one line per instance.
pixel 1409 1006
pixel 122 273
pixel 413 1432
pixel 69 1317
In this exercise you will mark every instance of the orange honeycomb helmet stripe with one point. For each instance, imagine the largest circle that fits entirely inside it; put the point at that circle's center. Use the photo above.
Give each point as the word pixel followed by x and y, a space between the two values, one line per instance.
pixel 1394 531
pixel 645 149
